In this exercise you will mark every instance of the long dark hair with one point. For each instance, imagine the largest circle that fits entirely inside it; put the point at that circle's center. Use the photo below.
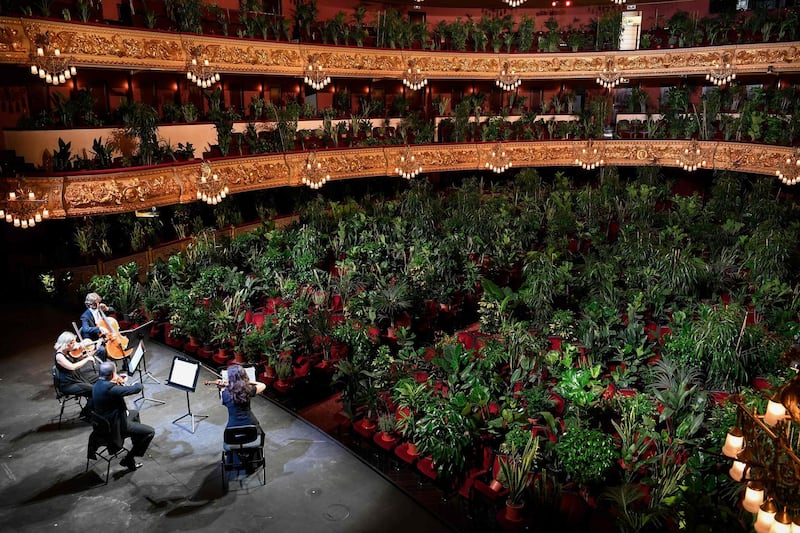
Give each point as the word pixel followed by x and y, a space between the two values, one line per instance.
pixel 238 384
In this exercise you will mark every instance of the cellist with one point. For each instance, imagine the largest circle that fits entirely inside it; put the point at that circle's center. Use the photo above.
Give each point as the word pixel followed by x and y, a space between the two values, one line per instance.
pixel 90 319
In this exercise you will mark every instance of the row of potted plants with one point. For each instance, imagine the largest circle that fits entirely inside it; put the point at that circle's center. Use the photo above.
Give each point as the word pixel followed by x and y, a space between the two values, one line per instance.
pixel 766 115
pixel 496 32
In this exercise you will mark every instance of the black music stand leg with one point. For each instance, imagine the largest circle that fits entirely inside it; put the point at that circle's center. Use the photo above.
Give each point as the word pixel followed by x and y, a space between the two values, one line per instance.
pixel 190 414
pixel 144 398
pixel 146 373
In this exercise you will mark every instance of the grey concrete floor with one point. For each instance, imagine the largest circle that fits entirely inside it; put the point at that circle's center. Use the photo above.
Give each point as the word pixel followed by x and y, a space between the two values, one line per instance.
pixel 313 483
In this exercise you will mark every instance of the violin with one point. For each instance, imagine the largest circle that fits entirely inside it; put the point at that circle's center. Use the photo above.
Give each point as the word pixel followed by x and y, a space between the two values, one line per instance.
pixel 84 348
pixel 116 343
pixel 221 383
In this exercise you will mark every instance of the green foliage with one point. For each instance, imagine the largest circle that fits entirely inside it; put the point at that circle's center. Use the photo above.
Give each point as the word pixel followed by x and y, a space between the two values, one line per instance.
pixel 586 454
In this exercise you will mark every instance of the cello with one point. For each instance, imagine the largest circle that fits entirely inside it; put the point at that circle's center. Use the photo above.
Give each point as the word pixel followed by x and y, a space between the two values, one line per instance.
pixel 116 343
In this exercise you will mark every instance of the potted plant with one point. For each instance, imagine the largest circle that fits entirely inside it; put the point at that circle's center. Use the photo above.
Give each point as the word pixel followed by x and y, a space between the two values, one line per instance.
pixel 409 397
pixel 387 424
pixel 517 468
pixel 283 371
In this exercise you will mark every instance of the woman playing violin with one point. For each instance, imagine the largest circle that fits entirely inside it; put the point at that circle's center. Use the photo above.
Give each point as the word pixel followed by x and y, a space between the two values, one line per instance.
pixel 236 397
pixel 75 366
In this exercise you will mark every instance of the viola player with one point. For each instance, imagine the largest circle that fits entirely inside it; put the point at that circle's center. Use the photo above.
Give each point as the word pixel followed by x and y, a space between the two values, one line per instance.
pixel 109 403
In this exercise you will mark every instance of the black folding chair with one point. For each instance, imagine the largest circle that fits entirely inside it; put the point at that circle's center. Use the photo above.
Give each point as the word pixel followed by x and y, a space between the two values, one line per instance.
pixel 62 397
pixel 243 449
pixel 100 447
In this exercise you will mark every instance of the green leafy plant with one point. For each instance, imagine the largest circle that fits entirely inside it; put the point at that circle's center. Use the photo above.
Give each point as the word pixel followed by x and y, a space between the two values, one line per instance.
pixel 586 454
pixel 517 467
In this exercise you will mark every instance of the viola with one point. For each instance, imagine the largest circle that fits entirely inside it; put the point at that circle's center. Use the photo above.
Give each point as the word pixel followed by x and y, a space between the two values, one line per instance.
pixel 84 348
pixel 218 382
pixel 116 343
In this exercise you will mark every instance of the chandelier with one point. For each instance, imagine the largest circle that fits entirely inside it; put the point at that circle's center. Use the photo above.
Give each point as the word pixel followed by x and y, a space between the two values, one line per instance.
pixel 765 449
pixel 508 79
pixel 498 161
pixel 315 75
pixel 413 77
pixel 514 3
pixel 610 77
pixel 723 73
pixel 23 209
pixel 313 175
pixel 618 2
pixel 691 158
pixel 408 166
pixel 589 157
pixel 199 71
pixel 210 187
pixel 48 63
pixel 789 171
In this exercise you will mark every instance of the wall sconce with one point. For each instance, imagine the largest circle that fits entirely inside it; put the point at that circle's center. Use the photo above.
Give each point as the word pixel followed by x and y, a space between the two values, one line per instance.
pixel 589 156
pixel 765 449
pixel 722 72
pixel 199 71
pixel 789 170
pixel 691 158
pixel 610 77
pixel 507 79
pixel 413 78
pixel 498 161
pixel 23 208
pixel 315 75
pixel 408 166
pixel 210 187
pixel 48 63
pixel 313 175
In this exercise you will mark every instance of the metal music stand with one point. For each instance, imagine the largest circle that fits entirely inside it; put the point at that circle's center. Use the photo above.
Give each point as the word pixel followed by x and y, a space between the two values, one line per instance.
pixel 139 331
pixel 183 375
pixel 134 366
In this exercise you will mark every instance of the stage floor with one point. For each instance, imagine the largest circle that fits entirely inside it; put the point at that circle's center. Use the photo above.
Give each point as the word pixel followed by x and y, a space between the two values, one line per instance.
pixel 314 484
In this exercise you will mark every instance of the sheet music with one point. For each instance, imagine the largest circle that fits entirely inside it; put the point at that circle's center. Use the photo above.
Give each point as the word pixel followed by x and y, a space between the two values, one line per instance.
pixel 183 374
pixel 251 373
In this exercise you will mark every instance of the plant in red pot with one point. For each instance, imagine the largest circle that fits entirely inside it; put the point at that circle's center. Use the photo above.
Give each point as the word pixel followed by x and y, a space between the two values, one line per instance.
pixel 517 471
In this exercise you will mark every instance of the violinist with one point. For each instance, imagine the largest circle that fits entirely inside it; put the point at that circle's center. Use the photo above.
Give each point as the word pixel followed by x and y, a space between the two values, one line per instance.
pixel 109 403
pixel 90 320
pixel 236 397
pixel 75 368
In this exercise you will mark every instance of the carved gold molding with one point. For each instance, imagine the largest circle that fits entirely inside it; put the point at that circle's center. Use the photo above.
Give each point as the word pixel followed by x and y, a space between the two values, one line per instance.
pixel 103 46
pixel 132 189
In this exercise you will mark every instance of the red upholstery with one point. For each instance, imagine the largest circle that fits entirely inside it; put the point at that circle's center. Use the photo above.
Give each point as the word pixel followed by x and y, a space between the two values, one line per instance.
pixel 402 453
pixel 365 427
pixel 484 491
pixel 426 468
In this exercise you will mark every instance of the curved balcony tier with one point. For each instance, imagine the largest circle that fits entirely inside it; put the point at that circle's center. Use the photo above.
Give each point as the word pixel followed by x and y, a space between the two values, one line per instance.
pixel 137 188
pixel 113 47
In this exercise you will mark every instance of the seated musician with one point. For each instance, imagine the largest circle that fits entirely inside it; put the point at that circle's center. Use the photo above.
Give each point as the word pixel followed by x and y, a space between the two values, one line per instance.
pixel 236 397
pixel 75 367
pixel 109 403
pixel 91 318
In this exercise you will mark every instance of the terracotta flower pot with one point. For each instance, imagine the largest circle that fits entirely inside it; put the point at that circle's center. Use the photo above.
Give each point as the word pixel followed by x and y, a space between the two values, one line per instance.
pixel 514 512
pixel 495 485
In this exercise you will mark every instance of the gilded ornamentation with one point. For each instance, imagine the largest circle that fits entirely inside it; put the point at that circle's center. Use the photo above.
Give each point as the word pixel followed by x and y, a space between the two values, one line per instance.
pixel 117 192
pixel 99 46
pixel 9 39
pixel 252 174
